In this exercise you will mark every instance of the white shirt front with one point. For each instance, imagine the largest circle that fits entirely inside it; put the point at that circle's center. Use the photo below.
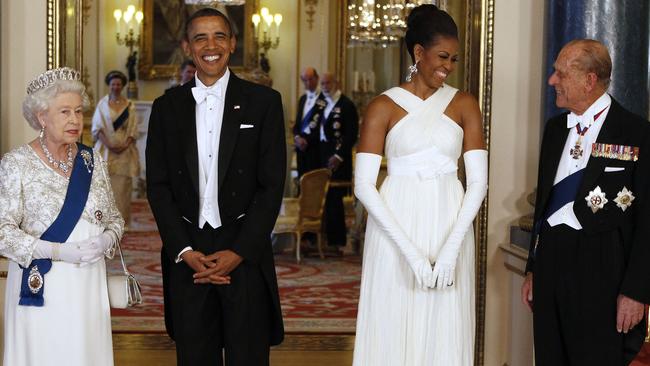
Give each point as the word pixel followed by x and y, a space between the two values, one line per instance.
pixel 310 101
pixel 331 102
pixel 568 165
pixel 209 117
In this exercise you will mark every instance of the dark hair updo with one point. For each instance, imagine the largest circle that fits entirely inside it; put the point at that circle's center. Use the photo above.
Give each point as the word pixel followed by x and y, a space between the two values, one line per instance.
pixel 426 23
pixel 115 74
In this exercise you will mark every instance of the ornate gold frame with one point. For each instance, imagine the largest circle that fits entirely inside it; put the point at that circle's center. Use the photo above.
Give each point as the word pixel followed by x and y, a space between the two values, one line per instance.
pixel 57 26
pixel 148 70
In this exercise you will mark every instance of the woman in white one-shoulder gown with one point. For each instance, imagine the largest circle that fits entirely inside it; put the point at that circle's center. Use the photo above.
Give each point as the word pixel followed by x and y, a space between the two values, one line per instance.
pixel 417 288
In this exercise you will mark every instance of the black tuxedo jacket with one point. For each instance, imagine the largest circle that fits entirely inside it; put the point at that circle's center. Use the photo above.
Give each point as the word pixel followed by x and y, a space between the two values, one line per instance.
pixel 252 165
pixel 310 158
pixel 341 130
pixel 621 127
pixel 315 133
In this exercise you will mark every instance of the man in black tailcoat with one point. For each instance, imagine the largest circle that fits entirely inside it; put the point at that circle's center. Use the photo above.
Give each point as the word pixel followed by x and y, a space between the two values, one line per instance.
pixel 338 134
pixel 308 119
pixel 216 162
pixel 588 270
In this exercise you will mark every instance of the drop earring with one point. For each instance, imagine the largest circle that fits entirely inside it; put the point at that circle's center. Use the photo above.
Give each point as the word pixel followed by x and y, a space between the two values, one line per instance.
pixel 413 69
pixel 42 133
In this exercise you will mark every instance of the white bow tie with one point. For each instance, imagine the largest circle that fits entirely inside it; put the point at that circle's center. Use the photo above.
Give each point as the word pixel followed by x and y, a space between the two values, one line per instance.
pixel 573 120
pixel 201 94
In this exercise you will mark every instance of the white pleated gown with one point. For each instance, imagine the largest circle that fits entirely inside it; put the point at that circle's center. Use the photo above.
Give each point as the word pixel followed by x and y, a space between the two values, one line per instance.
pixel 399 324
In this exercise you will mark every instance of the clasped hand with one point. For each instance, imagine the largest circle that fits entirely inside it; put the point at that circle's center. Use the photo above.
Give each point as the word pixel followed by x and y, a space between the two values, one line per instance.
pixel 214 268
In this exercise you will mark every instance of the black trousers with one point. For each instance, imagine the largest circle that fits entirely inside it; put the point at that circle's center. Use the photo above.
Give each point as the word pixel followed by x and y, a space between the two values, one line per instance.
pixel 576 281
pixel 335 217
pixel 213 323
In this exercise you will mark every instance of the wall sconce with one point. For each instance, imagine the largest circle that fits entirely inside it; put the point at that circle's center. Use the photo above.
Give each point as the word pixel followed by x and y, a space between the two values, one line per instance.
pixel 131 40
pixel 269 25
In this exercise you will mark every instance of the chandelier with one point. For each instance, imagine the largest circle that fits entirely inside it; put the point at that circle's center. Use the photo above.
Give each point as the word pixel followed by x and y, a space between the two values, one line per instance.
pixel 373 24
pixel 215 2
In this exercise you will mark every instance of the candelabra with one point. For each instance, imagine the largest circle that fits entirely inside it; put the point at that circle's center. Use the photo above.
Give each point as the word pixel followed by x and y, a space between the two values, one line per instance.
pixel 131 40
pixel 267 41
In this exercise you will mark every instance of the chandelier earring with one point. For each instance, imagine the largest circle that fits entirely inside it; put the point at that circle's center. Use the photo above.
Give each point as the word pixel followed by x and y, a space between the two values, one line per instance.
pixel 413 69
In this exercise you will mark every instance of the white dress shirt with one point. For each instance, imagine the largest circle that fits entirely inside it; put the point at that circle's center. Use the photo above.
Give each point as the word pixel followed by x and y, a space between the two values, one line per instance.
pixel 209 117
pixel 310 100
pixel 568 165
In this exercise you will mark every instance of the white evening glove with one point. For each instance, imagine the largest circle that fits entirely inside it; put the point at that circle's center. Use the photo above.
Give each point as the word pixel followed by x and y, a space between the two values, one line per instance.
pixel 365 188
pixel 476 166
pixel 75 252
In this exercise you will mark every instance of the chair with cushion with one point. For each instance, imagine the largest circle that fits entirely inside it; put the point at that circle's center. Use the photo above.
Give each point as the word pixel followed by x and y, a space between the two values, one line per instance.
pixel 304 214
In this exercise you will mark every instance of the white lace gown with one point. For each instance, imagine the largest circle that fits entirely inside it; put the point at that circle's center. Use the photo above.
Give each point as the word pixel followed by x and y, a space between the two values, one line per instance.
pixel 398 323
pixel 73 328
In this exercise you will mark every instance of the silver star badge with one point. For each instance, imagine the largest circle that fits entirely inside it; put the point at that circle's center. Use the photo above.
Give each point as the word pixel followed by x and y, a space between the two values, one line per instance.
pixel 624 199
pixel 596 199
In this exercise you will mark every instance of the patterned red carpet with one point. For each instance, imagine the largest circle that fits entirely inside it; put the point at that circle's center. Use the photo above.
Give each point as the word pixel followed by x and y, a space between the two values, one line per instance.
pixel 317 296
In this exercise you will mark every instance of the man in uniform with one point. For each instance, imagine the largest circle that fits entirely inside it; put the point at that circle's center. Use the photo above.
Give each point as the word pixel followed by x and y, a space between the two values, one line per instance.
pixel 587 276
pixel 308 118
pixel 338 134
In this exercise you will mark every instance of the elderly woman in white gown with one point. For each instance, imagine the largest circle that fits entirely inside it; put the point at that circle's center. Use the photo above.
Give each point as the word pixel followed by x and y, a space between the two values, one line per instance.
pixel 58 221
pixel 115 130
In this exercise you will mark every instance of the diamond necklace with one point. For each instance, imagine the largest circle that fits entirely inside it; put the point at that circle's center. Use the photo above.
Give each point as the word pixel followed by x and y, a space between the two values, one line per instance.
pixel 63 165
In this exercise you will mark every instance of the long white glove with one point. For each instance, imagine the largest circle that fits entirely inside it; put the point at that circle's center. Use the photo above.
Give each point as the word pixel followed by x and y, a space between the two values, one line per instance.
pixel 476 169
pixel 76 252
pixel 365 188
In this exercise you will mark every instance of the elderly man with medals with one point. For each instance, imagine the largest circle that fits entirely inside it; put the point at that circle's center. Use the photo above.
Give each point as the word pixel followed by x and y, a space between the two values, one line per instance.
pixel 58 220
pixel 338 134
pixel 587 271
pixel 308 119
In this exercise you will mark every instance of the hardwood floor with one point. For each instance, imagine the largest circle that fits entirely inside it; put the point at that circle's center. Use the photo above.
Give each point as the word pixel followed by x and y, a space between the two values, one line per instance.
pixel 297 350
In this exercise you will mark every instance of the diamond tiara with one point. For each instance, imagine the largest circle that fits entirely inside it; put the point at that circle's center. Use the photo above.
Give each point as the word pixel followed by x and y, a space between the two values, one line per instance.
pixel 49 77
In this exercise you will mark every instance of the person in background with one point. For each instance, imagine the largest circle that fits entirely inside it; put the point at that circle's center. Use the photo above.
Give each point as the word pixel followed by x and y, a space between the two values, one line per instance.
pixel 307 126
pixel 337 135
pixel 187 71
pixel 58 221
pixel 115 130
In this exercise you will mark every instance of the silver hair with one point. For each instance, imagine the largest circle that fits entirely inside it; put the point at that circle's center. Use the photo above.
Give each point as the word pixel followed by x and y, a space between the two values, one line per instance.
pixel 39 101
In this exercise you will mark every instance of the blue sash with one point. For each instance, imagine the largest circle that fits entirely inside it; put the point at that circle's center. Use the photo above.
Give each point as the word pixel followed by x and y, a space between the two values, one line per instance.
pixel 75 201
pixel 121 118
pixel 309 116
pixel 563 192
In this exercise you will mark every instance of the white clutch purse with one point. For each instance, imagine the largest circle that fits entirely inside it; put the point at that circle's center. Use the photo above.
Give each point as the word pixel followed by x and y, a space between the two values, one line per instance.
pixel 123 289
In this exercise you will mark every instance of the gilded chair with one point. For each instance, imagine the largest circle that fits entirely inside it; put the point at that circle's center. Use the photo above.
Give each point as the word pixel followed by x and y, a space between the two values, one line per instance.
pixel 304 214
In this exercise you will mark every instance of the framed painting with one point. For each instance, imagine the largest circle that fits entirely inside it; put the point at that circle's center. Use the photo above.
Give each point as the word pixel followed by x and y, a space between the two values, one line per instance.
pixel 163 30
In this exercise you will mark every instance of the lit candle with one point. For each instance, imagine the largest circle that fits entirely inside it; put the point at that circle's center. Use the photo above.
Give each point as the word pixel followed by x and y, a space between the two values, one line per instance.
pixel 138 18
pixel 264 12
pixel 117 14
pixel 128 16
pixel 268 19
pixel 256 21
pixel 278 20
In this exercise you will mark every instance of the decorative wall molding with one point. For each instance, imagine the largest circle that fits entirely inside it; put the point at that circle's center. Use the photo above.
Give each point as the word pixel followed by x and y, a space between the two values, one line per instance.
pixel 310 10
